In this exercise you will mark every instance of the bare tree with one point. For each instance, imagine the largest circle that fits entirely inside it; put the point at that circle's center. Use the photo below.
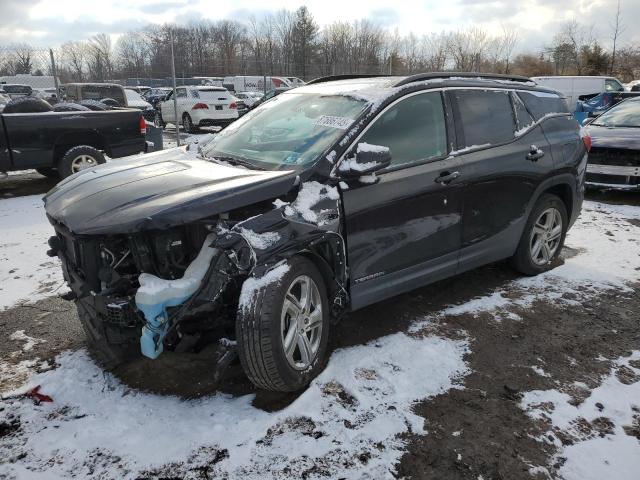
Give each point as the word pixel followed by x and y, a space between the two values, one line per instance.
pixel 617 28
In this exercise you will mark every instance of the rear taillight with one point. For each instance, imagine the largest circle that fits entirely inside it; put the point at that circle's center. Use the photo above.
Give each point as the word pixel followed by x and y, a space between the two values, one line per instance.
pixel 587 142
pixel 233 105
pixel 200 106
pixel 143 126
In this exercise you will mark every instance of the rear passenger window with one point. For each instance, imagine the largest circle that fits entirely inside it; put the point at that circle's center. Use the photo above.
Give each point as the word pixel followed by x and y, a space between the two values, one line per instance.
pixel 523 118
pixel 413 129
pixel 486 117
pixel 542 103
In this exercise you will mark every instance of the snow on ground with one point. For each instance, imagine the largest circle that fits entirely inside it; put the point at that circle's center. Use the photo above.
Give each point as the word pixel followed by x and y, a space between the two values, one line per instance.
pixel 346 421
pixel 604 429
pixel 607 255
pixel 27 274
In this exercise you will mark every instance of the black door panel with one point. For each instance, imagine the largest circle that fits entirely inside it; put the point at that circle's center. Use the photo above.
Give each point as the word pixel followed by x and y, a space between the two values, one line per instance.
pixel 500 183
pixel 405 219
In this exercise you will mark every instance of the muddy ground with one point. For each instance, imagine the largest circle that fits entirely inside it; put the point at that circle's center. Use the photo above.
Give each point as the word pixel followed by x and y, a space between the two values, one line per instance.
pixel 493 435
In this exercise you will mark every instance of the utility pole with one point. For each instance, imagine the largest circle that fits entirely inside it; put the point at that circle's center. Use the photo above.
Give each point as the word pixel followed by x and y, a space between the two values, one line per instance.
pixel 54 72
pixel 175 99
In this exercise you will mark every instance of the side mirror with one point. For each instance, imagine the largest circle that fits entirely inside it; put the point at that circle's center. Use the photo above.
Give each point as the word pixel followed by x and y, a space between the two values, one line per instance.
pixel 367 159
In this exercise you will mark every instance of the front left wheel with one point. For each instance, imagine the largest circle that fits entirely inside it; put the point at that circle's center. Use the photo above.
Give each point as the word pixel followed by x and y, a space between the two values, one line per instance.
pixel 283 330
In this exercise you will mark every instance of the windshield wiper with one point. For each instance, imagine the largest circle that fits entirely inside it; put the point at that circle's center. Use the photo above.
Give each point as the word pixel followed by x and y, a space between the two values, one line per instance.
pixel 236 161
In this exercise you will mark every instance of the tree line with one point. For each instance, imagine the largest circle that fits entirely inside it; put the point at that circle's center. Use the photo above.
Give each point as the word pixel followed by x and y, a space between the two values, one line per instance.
pixel 291 43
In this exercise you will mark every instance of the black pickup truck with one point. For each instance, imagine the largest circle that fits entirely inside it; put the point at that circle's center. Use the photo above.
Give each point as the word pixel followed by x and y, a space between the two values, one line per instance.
pixel 58 144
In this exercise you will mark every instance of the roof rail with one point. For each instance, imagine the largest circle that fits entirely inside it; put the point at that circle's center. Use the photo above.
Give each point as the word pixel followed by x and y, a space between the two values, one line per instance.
pixel 348 76
pixel 433 75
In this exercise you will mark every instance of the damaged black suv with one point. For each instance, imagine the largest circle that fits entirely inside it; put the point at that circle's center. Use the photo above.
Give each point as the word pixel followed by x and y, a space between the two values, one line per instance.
pixel 323 200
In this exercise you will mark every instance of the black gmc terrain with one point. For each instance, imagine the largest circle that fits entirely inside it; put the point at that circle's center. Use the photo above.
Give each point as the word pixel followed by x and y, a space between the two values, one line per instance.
pixel 325 199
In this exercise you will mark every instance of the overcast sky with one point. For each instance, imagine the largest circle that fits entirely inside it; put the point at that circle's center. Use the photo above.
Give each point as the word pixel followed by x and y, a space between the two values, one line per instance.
pixel 52 22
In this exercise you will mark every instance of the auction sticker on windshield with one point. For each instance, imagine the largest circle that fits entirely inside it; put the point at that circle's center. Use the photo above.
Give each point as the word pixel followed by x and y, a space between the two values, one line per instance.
pixel 336 122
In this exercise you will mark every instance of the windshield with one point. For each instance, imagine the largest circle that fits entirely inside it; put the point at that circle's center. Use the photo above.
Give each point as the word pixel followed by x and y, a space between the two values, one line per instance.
pixel 290 130
pixel 625 114
pixel 131 95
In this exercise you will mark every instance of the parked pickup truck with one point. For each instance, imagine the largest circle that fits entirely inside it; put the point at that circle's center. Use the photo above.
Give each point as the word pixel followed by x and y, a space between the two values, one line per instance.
pixel 58 144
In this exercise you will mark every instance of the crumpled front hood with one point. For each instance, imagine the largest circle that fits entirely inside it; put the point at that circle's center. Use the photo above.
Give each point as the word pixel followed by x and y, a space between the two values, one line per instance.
pixel 157 190
pixel 617 137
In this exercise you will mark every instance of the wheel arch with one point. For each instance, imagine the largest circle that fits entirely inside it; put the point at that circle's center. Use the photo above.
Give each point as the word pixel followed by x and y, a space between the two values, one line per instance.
pixel 562 186
pixel 66 141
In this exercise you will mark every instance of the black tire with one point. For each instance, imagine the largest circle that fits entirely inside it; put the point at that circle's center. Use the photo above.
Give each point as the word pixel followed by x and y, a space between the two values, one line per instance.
pixel 523 260
pixel 188 125
pixel 158 121
pixel 259 337
pixel 48 172
pixel 110 345
pixel 66 163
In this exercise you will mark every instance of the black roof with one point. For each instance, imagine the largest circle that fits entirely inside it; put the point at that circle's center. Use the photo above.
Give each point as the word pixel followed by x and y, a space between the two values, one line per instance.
pixel 420 77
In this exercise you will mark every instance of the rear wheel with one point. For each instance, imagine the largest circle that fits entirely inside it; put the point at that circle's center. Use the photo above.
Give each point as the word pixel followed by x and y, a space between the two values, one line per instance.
pixel 158 121
pixel 188 125
pixel 282 335
pixel 79 158
pixel 543 236
pixel 109 344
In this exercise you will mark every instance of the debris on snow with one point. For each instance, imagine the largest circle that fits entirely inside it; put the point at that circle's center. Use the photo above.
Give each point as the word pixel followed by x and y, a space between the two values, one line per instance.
pixel 317 429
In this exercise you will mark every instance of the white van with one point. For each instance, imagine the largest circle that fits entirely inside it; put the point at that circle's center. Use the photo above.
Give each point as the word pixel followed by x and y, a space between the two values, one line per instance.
pixel 254 83
pixel 574 87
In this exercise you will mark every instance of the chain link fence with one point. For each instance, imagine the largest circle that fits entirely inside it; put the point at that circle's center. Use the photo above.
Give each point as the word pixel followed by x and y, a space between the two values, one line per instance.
pixel 174 96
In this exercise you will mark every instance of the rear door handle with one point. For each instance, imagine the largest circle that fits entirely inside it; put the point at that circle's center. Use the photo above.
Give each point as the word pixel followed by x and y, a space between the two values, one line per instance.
pixel 447 177
pixel 535 154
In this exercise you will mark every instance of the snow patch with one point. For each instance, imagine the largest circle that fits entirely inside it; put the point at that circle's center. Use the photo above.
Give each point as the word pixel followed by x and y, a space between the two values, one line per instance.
pixel 310 195
pixel 29 342
pixel 601 446
pixel 27 274
pixel 261 241
pixel 94 412
pixel 252 284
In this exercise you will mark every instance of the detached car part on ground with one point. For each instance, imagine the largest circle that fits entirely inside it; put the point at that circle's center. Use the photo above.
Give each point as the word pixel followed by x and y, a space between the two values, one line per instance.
pixel 323 200
pixel 614 161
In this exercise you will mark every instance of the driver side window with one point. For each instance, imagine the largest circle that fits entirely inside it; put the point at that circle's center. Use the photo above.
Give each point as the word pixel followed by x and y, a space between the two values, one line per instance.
pixel 413 129
pixel 611 85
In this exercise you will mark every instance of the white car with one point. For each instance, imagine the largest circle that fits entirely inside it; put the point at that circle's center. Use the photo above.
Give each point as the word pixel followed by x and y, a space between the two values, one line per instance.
pixel 199 106
pixel 249 98
pixel 135 100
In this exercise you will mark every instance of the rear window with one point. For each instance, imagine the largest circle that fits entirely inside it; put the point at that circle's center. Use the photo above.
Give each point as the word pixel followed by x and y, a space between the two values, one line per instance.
pixel 24 89
pixel 543 103
pixel 213 94
pixel 485 117
pixel 100 92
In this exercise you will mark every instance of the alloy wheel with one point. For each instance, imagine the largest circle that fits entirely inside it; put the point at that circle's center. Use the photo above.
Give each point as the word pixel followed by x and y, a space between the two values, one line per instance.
pixel 545 236
pixel 301 322
pixel 81 162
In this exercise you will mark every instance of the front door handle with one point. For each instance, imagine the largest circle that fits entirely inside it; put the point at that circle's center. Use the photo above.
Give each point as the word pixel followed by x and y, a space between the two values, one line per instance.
pixel 447 177
pixel 535 154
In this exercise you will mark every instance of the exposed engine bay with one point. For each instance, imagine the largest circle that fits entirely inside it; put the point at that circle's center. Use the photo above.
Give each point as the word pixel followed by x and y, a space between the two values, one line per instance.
pixel 179 287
